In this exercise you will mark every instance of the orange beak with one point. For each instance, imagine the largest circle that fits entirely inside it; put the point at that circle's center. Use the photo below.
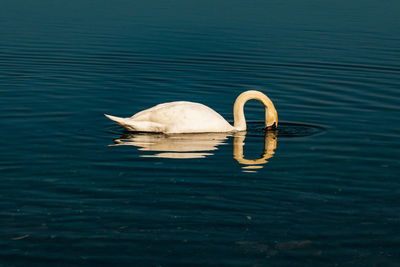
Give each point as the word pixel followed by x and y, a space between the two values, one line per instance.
pixel 272 127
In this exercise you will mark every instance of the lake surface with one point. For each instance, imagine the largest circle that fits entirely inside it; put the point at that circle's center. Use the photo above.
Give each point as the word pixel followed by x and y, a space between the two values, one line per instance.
pixel 76 189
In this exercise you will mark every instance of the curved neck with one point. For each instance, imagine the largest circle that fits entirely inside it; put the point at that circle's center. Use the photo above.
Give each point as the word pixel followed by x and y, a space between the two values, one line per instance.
pixel 271 116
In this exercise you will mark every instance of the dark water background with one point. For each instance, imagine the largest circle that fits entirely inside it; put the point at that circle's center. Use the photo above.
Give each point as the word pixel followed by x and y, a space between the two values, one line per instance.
pixel 328 195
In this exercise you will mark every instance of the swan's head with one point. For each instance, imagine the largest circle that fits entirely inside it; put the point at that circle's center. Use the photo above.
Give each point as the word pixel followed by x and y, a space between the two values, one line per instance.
pixel 271 120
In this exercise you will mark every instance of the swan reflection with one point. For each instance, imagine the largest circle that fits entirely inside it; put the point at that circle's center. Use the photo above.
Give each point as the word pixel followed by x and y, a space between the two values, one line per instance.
pixel 199 145
pixel 178 146
pixel 270 143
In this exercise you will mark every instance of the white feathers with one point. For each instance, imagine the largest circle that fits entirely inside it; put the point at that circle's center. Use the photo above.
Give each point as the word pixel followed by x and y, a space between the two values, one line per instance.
pixel 175 117
pixel 189 117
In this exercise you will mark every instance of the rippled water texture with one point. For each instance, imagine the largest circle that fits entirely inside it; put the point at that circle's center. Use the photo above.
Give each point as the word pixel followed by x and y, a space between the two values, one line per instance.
pixel 322 189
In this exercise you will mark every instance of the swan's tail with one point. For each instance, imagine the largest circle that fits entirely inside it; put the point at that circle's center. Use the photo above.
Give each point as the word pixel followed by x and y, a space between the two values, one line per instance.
pixel 120 121
pixel 141 126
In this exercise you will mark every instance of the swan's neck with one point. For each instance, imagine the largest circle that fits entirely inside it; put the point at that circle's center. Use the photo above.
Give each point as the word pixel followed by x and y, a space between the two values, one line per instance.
pixel 271 116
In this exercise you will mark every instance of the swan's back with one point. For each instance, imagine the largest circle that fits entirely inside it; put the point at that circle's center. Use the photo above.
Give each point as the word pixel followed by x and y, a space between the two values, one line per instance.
pixel 183 117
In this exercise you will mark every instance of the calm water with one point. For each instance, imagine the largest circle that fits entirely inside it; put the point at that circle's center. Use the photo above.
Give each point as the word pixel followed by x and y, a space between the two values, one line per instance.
pixel 323 189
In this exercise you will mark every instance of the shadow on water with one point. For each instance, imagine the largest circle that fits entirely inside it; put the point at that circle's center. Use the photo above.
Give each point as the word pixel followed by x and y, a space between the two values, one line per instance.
pixel 201 145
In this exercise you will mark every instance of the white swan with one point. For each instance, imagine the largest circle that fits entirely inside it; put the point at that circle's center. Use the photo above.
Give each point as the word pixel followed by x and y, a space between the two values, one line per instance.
pixel 189 117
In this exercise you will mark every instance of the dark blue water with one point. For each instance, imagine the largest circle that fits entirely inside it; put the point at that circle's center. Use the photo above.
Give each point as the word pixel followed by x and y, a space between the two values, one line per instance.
pixel 322 189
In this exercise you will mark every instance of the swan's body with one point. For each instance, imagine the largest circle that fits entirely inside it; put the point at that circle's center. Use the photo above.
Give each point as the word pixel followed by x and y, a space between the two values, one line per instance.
pixel 189 117
pixel 176 117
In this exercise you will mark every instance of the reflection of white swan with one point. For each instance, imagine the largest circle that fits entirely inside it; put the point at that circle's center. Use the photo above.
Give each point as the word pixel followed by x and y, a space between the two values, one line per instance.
pixel 189 117
pixel 184 146
pixel 270 143
pixel 175 145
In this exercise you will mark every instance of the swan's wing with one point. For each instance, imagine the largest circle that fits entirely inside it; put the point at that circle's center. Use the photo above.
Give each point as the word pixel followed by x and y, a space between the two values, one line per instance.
pixel 144 126
pixel 184 117
pixel 160 111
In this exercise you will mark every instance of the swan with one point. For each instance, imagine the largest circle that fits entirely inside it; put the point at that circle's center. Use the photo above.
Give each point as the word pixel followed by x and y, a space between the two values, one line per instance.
pixel 189 117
